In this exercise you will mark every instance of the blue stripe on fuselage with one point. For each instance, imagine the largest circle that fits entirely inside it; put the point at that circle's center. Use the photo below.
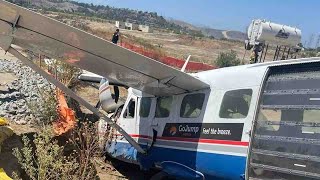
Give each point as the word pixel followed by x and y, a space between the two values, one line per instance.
pixel 210 164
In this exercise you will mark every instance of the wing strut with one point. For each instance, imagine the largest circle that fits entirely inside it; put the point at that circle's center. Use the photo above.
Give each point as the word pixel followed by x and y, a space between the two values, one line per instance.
pixel 185 64
pixel 70 93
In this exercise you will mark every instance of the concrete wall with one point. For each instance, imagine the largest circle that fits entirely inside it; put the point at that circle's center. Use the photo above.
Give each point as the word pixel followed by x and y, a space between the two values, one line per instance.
pixel 135 27
pixel 131 26
pixel 120 24
pixel 145 28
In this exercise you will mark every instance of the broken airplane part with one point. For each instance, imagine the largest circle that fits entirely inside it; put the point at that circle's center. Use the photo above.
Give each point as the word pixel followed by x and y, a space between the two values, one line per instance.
pixel 191 126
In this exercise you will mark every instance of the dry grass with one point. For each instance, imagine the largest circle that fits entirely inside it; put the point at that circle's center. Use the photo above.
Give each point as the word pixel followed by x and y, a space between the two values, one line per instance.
pixel 166 44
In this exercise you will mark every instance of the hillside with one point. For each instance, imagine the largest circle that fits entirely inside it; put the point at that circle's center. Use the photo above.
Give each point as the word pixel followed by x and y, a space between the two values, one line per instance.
pixel 104 12
pixel 123 14
pixel 184 24
pixel 223 34
pixel 236 35
pixel 165 42
pixel 211 32
pixel 217 34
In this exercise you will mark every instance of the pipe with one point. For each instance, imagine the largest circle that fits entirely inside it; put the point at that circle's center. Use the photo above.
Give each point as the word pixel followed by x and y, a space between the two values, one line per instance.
pixel 265 54
pixel 275 53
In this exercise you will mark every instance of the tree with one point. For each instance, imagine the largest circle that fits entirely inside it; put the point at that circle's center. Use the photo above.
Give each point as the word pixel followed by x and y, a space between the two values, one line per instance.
pixel 227 59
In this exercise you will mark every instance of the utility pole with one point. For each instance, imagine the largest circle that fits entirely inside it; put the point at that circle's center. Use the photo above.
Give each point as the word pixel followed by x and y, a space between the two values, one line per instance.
pixel 318 42
pixel 309 45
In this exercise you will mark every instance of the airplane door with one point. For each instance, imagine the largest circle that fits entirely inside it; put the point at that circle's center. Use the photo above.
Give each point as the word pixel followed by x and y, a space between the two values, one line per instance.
pixel 128 116
pixel 146 113
pixel 153 114
pixel 163 114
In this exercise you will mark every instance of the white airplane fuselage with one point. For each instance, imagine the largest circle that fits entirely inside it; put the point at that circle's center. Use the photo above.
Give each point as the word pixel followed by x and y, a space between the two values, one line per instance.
pixel 209 139
pixel 203 134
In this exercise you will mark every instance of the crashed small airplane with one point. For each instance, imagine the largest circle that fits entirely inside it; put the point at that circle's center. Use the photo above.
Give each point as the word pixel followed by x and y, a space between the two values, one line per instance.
pixel 258 121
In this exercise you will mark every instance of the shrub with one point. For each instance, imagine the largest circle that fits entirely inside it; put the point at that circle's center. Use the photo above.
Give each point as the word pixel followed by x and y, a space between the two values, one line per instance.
pixel 228 59
pixel 307 54
pixel 43 158
pixel 45 107
pixel 85 139
pixel 68 74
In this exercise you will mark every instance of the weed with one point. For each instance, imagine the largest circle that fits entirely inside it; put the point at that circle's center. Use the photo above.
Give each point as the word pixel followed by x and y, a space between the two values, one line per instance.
pixel 44 108
pixel 228 59
pixel 86 141
pixel 67 74
pixel 43 158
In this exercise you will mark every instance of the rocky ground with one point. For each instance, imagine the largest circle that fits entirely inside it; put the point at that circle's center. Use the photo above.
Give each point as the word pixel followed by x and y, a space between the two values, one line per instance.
pixel 19 86
pixel 20 89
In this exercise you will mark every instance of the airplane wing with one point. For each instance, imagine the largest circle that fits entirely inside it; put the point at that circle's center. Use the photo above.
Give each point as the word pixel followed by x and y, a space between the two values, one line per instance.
pixel 41 34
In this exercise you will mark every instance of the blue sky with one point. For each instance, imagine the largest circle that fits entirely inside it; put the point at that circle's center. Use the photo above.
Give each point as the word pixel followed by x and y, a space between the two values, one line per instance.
pixel 231 14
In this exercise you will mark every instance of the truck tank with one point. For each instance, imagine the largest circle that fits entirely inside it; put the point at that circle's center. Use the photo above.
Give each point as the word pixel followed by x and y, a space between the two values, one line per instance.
pixel 261 31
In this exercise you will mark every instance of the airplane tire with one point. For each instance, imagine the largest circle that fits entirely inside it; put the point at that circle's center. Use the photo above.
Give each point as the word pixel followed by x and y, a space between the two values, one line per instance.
pixel 160 176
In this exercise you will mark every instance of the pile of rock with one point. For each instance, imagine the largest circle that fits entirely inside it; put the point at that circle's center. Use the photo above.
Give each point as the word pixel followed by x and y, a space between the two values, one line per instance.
pixel 25 90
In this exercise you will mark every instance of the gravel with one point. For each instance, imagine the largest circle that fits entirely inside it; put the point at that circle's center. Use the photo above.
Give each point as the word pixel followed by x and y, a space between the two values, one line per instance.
pixel 15 102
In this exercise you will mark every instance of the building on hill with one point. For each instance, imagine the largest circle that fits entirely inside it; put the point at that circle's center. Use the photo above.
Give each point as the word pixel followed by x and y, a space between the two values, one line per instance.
pixel 120 25
pixel 145 28
pixel 131 26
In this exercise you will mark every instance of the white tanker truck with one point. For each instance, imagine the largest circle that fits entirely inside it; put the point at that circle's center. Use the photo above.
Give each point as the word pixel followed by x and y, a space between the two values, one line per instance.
pixel 262 34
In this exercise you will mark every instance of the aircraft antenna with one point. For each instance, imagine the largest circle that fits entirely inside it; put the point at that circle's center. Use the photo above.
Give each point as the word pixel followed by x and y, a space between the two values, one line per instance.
pixel 185 64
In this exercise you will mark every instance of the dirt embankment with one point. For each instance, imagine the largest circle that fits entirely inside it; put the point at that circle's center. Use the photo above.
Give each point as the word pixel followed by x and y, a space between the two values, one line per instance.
pixel 205 50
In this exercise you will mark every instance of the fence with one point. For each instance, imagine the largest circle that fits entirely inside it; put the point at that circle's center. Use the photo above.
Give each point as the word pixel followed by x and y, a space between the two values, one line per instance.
pixel 174 62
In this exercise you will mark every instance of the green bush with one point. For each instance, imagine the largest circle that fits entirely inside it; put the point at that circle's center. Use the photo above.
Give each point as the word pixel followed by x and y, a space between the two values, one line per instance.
pixel 228 59
pixel 48 103
pixel 43 158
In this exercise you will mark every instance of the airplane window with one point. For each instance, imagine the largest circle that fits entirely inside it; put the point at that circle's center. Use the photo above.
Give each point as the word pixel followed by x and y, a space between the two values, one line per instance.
pixel 235 104
pixel 191 105
pixel 145 105
pixel 130 111
pixel 163 107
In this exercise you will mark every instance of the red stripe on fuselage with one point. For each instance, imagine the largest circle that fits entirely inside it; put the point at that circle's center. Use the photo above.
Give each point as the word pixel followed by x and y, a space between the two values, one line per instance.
pixel 104 89
pixel 209 141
